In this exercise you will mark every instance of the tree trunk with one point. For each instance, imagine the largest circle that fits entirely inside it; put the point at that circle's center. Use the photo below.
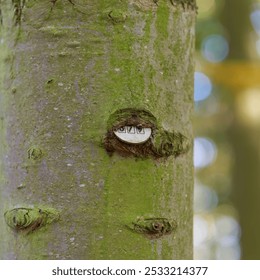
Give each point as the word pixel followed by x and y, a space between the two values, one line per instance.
pixel 246 178
pixel 74 73
pixel 244 132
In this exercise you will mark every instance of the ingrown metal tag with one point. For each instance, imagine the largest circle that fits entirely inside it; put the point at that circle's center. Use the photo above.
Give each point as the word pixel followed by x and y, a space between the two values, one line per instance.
pixel 133 134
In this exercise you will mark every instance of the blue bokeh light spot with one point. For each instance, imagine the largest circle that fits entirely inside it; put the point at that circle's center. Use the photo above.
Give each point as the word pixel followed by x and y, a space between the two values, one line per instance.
pixel 255 20
pixel 215 48
pixel 202 86
pixel 205 152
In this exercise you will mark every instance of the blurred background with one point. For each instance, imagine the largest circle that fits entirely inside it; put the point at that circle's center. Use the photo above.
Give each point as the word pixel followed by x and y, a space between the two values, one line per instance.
pixel 227 130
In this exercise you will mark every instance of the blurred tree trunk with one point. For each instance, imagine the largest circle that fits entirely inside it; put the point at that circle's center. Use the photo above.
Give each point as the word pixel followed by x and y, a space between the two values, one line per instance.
pixel 246 179
pixel 65 68
pixel 245 132
pixel 237 29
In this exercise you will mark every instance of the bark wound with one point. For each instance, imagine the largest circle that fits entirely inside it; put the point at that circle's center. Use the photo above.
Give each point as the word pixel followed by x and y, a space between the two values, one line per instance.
pixel 153 228
pixel 35 153
pixel 153 4
pixel 1 17
pixel 18 10
pixel 117 16
pixel 186 4
pixel 161 143
pixel 27 220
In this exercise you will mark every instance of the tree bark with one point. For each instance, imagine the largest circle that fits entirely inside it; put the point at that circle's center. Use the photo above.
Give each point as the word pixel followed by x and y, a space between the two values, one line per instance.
pixel 73 72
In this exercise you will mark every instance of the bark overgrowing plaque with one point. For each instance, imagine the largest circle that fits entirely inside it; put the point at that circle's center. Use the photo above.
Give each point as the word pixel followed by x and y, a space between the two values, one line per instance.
pixel 135 132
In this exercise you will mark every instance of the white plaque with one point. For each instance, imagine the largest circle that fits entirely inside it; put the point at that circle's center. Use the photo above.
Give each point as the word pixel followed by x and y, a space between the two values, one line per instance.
pixel 133 134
